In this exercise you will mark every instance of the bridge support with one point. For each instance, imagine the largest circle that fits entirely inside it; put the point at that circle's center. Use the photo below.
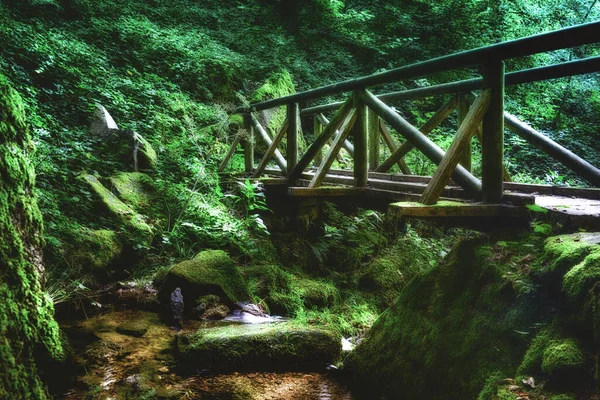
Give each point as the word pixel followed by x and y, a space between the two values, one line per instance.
pixel 249 144
pixel 361 162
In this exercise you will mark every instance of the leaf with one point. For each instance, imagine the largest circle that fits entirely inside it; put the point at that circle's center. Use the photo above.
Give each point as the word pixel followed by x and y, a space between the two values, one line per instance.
pixel 536 208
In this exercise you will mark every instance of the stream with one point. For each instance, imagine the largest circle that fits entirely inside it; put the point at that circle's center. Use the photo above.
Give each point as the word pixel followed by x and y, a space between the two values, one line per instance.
pixel 116 363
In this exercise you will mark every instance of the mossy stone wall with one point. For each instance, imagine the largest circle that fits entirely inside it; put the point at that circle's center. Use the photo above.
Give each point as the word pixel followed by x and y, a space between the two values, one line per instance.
pixel 29 335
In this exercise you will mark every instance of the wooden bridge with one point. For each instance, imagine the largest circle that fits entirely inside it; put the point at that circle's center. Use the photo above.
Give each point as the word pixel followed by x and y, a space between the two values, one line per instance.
pixel 360 126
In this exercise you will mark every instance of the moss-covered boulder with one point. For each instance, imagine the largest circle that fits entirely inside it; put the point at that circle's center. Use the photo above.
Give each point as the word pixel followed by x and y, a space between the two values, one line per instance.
pixel 210 272
pixel 135 328
pixel 95 251
pixel 260 346
pixel 111 206
pixel 135 189
pixel 29 336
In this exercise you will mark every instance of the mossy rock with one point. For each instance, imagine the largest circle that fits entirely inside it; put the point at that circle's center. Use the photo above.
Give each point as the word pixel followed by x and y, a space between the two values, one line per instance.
pixel 315 293
pixel 135 189
pixel 563 252
pixel 131 149
pixel 136 328
pixel 113 207
pixel 454 324
pixel 95 251
pixel 561 356
pixel 582 277
pixel 209 272
pixel 260 346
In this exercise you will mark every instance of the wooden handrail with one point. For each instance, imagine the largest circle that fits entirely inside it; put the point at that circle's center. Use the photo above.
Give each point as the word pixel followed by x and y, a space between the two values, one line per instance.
pixel 571 68
pixel 563 38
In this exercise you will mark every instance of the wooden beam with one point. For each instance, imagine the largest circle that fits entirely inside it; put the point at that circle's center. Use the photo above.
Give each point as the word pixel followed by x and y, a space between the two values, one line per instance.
pixel 337 145
pixel 554 150
pixel 325 191
pixel 268 142
pixel 361 150
pixel 421 142
pixel 492 145
pixel 271 150
pixel 445 209
pixel 317 131
pixel 347 145
pixel 249 144
pixel 229 154
pixel 389 141
pixel 479 137
pixel 427 127
pixel 462 109
pixel 293 113
pixel 373 129
pixel 454 153
pixel 330 129
pixel 548 41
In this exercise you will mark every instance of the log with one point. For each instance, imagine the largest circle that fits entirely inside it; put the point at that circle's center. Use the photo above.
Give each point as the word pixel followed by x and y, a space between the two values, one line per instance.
pixel 427 127
pixel 317 130
pixel 492 145
pixel 229 154
pixel 471 184
pixel 271 150
pixel 326 191
pixel 330 129
pixel 267 140
pixel 347 145
pixel 337 145
pixel 554 150
pixel 361 149
pixel 389 140
pixel 454 153
pixel 456 209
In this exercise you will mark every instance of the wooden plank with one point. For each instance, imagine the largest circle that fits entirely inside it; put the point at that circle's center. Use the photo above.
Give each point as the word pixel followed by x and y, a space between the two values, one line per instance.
pixel 347 145
pixel 249 144
pixel 271 150
pixel 492 145
pixel 554 150
pixel 389 140
pixel 462 109
pixel 584 193
pixel 422 142
pixel 317 131
pixel 229 154
pixel 337 145
pixel 445 209
pixel 293 112
pixel 325 191
pixel 373 129
pixel 361 149
pixel 439 116
pixel 268 142
pixel 454 154
pixel 329 131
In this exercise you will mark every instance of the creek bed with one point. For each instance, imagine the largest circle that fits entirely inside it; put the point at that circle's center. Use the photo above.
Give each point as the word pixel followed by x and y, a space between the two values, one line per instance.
pixel 116 361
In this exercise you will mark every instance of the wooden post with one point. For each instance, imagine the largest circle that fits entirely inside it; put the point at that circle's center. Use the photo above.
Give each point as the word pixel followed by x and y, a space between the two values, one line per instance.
pixel 318 129
pixel 346 145
pixel 361 162
pixel 492 146
pixel 293 111
pixel 463 137
pixel 373 128
pixel 462 109
pixel 249 144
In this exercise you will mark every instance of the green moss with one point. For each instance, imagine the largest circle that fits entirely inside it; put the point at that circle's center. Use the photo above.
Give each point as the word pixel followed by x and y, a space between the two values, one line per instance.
pixel 263 346
pixel 532 360
pixel 93 250
pixel 563 252
pixel 136 189
pixel 316 293
pixel 147 158
pixel 118 210
pixel 505 394
pixel 454 324
pixel 210 272
pixel 277 85
pixel 562 355
pixel 236 120
pixel 29 336
pixel 562 397
pixel 583 276
pixel 135 328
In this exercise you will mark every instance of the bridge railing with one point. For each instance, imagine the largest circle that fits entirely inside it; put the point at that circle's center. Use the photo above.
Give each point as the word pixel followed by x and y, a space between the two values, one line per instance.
pixel 362 116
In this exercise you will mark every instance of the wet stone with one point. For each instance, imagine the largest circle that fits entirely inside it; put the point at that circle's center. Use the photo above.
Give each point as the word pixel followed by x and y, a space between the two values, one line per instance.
pixel 134 328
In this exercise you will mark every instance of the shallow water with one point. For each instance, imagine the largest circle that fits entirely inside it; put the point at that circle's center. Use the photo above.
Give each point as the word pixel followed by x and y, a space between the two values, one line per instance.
pixel 120 366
